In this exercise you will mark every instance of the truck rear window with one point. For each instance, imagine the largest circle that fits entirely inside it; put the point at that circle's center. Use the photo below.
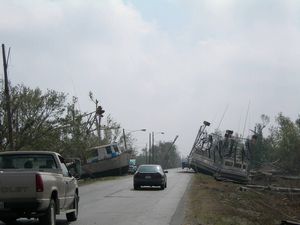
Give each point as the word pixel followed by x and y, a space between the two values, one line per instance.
pixel 27 161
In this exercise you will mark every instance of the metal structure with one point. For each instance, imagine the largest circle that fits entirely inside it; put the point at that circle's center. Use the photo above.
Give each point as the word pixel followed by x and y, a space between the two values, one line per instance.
pixel 201 137
pixel 221 156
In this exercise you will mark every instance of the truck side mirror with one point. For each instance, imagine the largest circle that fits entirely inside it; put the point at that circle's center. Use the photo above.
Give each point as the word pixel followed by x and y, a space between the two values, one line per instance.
pixel 73 173
pixel 74 167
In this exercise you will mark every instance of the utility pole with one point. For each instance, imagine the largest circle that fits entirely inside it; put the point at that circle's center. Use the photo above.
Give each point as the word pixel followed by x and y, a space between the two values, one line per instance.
pixel 152 147
pixel 149 156
pixel 146 154
pixel 154 154
pixel 98 115
pixel 169 150
pixel 98 122
pixel 124 136
pixel 7 100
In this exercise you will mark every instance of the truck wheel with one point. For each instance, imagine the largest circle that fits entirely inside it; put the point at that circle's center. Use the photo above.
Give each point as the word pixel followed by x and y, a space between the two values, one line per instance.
pixel 50 217
pixel 72 216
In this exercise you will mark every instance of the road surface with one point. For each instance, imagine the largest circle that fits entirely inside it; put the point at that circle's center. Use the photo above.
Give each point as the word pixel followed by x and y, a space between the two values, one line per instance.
pixel 115 202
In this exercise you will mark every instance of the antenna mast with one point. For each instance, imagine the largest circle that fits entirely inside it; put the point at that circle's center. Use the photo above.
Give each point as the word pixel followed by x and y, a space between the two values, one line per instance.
pixel 223 116
pixel 246 119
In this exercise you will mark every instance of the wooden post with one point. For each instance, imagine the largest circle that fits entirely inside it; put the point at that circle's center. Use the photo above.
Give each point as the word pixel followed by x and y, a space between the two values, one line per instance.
pixel 150 146
pixel 98 122
pixel 7 101
pixel 124 136
pixel 153 147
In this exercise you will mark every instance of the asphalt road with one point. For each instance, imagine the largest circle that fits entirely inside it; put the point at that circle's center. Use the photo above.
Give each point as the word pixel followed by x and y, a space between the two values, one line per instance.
pixel 115 202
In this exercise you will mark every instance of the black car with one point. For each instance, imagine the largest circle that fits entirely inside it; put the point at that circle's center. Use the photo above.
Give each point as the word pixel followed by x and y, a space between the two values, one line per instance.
pixel 150 175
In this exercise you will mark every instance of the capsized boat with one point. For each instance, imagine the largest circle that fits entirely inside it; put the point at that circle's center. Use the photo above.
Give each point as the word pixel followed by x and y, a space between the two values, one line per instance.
pixel 106 160
pixel 223 157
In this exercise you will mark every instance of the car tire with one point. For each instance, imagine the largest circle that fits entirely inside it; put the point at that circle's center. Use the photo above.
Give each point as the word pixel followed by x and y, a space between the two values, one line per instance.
pixel 136 187
pixel 162 187
pixel 50 217
pixel 72 216
pixel 166 185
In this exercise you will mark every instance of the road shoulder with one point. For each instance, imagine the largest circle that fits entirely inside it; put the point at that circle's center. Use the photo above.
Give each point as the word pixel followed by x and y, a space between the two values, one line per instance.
pixel 179 215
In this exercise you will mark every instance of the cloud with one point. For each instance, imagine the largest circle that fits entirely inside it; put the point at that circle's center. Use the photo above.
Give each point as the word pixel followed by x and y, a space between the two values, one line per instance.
pixel 150 73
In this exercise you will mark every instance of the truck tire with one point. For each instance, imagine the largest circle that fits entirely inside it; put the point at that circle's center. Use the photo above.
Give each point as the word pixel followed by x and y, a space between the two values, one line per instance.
pixel 50 217
pixel 72 216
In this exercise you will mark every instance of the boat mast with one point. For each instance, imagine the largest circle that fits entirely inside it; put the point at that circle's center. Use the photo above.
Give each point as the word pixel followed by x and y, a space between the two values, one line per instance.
pixel 246 119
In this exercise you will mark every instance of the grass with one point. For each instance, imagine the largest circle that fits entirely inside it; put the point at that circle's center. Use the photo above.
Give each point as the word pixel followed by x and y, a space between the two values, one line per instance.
pixel 211 202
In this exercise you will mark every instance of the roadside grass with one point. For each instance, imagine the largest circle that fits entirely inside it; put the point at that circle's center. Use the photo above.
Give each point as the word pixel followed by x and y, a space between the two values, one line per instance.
pixel 87 181
pixel 211 202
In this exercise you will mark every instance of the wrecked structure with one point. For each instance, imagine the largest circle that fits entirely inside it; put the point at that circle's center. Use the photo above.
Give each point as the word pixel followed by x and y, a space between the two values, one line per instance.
pixel 225 157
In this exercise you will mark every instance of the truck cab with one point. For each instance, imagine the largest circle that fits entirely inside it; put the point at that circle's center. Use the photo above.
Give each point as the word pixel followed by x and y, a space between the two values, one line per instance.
pixel 36 184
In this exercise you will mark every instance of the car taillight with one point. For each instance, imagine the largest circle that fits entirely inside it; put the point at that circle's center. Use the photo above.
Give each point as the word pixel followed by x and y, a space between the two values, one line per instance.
pixel 39 185
pixel 137 175
pixel 157 175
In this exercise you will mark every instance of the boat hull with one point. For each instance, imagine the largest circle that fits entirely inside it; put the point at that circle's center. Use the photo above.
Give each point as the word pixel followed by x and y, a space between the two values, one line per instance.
pixel 107 167
pixel 206 165
pixel 235 175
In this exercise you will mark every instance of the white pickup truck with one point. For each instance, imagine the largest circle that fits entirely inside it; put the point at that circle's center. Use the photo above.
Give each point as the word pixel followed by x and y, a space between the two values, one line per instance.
pixel 36 184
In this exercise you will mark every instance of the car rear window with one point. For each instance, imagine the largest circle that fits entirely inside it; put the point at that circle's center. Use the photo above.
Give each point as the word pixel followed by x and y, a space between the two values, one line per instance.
pixel 149 169
pixel 27 161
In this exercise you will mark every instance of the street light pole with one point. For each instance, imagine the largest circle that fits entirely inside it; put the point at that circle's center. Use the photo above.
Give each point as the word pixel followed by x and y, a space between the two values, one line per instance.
pixel 152 146
pixel 124 136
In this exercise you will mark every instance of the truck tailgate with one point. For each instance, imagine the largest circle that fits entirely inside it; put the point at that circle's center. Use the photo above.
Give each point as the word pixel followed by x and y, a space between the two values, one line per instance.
pixel 17 185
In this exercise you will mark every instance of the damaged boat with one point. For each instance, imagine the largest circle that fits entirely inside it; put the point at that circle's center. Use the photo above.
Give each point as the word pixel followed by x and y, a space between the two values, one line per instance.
pixel 225 157
pixel 106 160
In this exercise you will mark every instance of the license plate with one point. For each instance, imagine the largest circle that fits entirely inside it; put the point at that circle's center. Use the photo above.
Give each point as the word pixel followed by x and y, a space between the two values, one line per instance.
pixel 147 177
pixel 1 205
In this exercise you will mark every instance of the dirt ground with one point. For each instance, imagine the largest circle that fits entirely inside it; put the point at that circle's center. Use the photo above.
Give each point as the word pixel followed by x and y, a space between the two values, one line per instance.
pixel 211 202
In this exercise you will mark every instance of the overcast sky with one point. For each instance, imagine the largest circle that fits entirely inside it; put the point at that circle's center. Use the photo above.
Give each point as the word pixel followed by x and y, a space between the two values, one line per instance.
pixel 163 65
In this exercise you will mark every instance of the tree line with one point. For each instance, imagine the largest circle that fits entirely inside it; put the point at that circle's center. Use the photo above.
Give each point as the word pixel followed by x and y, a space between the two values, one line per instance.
pixel 164 154
pixel 49 121
pixel 280 145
